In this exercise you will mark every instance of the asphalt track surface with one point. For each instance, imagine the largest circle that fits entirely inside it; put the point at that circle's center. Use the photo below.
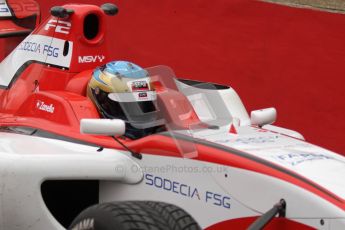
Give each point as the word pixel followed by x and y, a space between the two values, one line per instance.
pixel 336 6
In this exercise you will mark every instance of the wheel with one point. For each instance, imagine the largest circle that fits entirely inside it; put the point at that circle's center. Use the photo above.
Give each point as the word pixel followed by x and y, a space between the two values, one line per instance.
pixel 134 215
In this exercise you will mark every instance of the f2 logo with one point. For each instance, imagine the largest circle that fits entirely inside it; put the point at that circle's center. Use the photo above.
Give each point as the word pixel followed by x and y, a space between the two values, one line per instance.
pixel 62 27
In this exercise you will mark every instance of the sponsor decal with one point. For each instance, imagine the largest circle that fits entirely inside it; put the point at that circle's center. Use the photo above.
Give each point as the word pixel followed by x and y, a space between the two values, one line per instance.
pixel 142 95
pixel 140 86
pixel 30 46
pixel 51 51
pixel 62 27
pixel 44 107
pixel 35 47
pixel 257 140
pixel 249 140
pixel 297 158
pixel 188 191
pixel 86 224
pixel 4 10
pixel 91 59
pixel 38 48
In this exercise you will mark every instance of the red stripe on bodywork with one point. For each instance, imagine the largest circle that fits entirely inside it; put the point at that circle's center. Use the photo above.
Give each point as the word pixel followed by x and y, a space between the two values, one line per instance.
pixel 244 223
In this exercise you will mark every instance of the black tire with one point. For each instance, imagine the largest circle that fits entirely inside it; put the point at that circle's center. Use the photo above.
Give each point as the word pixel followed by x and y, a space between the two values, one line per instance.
pixel 134 215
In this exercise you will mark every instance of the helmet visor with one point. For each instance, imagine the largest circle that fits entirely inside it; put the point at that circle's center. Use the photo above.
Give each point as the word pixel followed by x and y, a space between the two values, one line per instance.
pixel 137 108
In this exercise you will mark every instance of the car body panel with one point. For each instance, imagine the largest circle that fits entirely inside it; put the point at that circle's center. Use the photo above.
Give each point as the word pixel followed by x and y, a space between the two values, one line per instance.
pixel 225 175
pixel 24 169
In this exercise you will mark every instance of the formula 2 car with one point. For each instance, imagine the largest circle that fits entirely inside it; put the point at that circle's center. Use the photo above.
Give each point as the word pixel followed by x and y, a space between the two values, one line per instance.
pixel 210 166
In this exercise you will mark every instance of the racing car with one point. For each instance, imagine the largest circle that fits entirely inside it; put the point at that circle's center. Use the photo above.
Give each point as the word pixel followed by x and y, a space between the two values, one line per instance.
pixel 208 165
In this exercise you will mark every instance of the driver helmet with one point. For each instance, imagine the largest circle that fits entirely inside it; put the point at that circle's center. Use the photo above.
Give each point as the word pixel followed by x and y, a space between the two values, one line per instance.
pixel 123 90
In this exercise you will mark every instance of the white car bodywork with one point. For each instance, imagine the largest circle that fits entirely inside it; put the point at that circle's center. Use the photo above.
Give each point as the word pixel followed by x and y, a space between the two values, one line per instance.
pixel 211 193
pixel 26 162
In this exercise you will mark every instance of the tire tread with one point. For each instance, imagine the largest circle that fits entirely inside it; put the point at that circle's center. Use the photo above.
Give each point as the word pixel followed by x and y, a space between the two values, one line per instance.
pixel 143 215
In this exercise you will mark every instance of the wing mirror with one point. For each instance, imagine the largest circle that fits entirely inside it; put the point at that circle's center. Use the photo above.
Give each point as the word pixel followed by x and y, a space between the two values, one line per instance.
pixel 263 117
pixel 106 127
pixel 60 12
pixel 110 9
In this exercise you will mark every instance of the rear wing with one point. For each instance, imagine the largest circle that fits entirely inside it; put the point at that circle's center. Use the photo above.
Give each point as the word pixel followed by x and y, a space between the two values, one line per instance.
pixel 18 17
